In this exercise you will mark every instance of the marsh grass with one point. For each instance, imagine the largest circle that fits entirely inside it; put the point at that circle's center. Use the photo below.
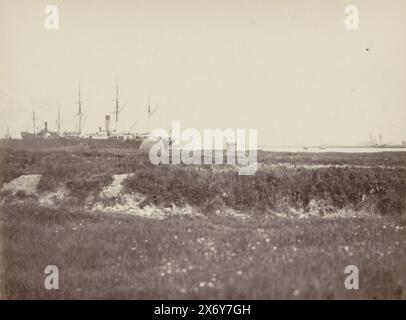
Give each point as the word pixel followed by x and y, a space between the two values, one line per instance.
pixel 115 256
pixel 380 189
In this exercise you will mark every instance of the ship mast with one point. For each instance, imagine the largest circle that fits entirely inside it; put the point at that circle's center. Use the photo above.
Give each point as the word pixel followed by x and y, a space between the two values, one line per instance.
pixel 117 105
pixel 117 108
pixel 33 119
pixel 59 119
pixel 80 112
pixel 149 109
pixel 150 113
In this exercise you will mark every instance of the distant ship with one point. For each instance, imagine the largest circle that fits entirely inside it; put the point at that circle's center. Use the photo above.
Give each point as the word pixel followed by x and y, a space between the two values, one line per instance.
pixel 103 138
pixel 30 135
pixel 42 134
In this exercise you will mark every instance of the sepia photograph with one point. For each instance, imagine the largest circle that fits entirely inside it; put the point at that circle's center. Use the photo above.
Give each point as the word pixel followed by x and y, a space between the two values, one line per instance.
pixel 202 150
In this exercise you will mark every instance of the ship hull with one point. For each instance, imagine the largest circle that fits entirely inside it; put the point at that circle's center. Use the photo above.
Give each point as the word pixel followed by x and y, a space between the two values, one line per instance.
pixel 37 143
pixel 30 136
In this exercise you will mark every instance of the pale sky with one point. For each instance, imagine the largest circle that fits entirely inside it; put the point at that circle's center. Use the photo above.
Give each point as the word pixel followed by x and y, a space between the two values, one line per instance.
pixel 287 68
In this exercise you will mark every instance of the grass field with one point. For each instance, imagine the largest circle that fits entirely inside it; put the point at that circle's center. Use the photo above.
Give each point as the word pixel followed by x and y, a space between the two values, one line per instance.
pixel 118 256
pixel 211 256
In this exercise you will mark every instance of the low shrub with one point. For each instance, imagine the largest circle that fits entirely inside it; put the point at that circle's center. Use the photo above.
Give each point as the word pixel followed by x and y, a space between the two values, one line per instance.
pixel 81 186
pixel 272 190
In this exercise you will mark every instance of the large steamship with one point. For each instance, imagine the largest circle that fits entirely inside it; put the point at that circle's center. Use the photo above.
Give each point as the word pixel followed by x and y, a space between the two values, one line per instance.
pixel 103 138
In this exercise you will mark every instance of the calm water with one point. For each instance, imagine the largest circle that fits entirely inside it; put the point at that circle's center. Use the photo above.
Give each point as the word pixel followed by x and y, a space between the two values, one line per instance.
pixel 344 149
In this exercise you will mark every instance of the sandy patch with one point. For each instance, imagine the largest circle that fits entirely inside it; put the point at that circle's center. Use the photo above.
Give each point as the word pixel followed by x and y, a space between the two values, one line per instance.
pixel 127 204
pixel 25 183
pixel 115 189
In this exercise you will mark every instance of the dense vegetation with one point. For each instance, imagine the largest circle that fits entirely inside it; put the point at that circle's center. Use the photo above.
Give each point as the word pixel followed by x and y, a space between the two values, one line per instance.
pixel 378 190
pixel 380 187
pixel 14 163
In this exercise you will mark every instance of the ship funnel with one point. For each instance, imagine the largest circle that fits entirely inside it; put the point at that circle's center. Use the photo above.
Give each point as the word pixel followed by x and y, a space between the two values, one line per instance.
pixel 108 125
pixel 46 126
